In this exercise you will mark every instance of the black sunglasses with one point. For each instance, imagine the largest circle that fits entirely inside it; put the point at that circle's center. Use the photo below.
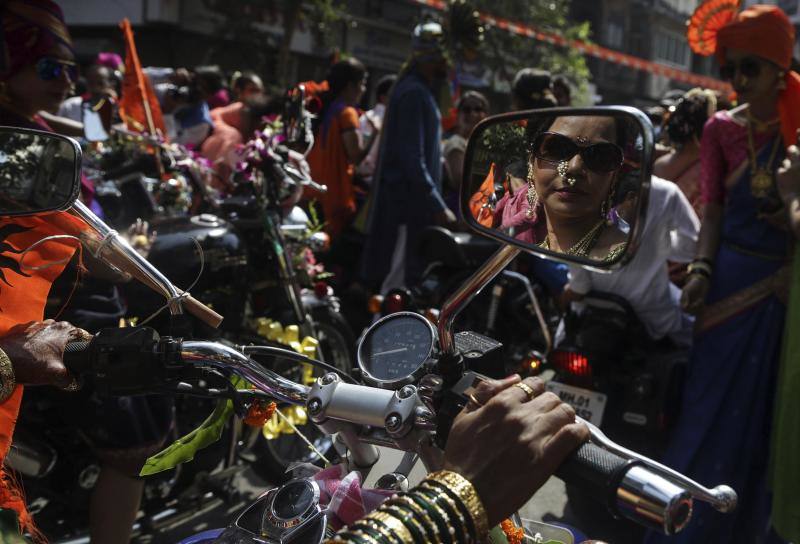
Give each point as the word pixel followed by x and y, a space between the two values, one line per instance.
pixel 49 69
pixel 600 157
pixel 748 67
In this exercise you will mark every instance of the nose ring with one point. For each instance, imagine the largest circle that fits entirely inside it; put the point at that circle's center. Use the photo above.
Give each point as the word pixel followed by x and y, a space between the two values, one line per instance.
pixel 562 169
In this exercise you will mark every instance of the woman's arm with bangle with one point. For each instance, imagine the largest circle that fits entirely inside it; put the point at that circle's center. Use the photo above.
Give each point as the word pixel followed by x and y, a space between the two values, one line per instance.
pixel 701 269
pixel 443 508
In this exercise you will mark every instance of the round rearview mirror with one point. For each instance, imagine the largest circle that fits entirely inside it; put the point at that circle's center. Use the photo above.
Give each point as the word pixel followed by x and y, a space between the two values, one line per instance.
pixel 568 184
pixel 39 171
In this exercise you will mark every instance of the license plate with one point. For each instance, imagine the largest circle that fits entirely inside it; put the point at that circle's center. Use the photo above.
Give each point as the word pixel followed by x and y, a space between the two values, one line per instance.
pixel 588 404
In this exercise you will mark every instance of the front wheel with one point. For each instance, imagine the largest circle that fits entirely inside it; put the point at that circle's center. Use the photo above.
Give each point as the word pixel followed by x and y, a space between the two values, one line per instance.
pixel 285 447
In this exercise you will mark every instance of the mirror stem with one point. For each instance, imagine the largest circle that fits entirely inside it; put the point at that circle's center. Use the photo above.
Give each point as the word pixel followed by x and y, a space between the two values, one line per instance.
pixel 139 267
pixel 458 300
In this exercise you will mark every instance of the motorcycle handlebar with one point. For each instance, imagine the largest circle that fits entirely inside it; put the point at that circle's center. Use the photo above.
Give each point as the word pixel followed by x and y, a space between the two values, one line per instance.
pixel 626 486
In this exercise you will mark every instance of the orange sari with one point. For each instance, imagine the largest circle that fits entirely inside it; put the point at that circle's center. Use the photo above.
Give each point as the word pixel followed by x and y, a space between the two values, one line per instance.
pixel 330 167
pixel 24 289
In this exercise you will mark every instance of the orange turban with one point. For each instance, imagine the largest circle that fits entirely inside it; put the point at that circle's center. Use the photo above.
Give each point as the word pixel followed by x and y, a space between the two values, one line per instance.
pixel 765 31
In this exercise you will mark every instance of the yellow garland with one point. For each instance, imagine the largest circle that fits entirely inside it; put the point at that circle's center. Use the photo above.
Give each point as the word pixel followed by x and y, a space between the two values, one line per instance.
pixel 288 336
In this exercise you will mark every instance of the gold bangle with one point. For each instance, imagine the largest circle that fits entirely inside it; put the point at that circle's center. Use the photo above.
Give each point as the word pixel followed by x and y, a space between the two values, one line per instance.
pixel 9 383
pixel 361 535
pixel 468 496
pixel 382 532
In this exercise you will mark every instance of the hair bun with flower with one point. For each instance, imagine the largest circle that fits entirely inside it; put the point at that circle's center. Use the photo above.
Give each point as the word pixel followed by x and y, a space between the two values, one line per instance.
pixel 706 21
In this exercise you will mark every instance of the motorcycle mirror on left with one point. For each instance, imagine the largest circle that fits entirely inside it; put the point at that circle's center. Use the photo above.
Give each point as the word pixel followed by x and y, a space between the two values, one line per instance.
pixel 39 171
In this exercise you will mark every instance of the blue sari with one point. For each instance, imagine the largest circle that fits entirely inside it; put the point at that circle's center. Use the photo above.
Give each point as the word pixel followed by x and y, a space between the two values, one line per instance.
pixel 723 432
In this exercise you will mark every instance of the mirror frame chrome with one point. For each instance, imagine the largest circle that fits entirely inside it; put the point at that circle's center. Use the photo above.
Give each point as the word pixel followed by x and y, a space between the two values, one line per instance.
pixel 648 143
pixel 76 185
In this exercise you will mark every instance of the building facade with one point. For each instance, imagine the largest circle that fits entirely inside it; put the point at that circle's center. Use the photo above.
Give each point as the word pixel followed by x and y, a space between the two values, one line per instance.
pixel 654 30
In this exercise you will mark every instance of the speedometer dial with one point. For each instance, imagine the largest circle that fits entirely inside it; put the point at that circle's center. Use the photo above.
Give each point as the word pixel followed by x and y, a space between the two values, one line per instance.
pixel 394 350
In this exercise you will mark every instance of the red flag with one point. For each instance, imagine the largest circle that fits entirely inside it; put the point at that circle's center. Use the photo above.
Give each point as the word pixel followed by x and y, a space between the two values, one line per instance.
pixel 138 106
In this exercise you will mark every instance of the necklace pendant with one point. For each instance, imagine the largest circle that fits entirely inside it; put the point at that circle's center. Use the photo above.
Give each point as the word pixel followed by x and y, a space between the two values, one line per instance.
pixel 761 182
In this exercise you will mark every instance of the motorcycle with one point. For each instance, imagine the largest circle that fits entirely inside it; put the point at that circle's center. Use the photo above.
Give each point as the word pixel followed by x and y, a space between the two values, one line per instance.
pixel 615 375
pixel 406 398
pixel 508 310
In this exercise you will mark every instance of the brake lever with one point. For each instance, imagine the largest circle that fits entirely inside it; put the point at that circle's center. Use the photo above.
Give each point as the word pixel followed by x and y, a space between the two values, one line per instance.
pixel 722 498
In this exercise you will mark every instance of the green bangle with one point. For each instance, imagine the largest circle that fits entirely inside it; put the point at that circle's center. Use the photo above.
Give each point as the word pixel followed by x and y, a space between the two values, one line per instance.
pixel 446 529
pixel 380 532
pixel 370 534
pixel 407 518
pixel 418 514
pixel 457 521
pixel 462 508
pixel 353 537
pixel 436 520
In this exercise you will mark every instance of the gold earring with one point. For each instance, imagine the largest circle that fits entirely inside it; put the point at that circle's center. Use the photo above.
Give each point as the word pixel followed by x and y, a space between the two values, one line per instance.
pixel 533 197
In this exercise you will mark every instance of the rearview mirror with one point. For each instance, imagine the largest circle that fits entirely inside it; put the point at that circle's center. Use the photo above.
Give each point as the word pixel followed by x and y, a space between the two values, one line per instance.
pixel 568 184
pixel 39 171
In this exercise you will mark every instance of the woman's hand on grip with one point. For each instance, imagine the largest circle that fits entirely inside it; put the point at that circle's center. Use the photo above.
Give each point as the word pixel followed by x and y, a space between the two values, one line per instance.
pixel 512 444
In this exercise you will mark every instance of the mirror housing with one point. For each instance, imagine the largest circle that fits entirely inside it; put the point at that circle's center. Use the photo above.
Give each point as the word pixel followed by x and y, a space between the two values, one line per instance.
pixel 39 172
pixel 577 177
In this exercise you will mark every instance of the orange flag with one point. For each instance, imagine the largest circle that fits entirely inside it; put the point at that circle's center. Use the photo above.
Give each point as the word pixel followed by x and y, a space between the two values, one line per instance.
pixel 138 106
pixel 25 282
pixel 479 202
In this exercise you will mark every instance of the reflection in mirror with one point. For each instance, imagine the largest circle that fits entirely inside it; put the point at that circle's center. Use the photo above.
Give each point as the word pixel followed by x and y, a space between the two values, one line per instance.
pixel 38 172
pixel 568 183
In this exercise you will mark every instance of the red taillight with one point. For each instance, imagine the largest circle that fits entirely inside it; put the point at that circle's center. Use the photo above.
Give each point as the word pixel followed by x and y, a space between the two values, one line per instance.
pixel 321 289
pixel 575 364
pixel 393 303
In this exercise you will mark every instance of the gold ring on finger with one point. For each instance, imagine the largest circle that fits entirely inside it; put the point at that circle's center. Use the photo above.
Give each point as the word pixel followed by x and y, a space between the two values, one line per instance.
pixel 527 389
pixel 474 400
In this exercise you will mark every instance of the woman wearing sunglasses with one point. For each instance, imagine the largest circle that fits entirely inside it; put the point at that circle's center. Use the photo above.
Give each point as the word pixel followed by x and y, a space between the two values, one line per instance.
pixel 737 285
pixel 571 179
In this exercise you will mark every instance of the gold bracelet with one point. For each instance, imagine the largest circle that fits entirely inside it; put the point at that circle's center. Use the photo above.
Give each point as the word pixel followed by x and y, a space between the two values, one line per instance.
pixel 468 496
pixel 9 383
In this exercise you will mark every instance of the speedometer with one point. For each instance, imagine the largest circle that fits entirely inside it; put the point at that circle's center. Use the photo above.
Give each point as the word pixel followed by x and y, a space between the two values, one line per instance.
pixel 394 350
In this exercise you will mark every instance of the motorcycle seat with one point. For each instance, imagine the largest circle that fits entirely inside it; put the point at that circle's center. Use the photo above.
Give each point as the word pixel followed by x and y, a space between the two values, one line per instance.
pixel 455 249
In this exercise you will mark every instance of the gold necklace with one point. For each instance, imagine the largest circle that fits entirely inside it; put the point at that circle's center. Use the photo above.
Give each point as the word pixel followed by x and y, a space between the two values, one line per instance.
pixel 761 177
pixel 584 245
pixel 760 126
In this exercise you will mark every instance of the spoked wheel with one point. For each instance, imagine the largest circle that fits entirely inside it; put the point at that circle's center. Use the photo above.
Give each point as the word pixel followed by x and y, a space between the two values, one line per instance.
pixel 283 447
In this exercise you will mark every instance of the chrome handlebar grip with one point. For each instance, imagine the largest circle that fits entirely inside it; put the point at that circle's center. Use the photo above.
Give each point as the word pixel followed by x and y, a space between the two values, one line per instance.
pixel 653 501
pixel 222 356
pixel 722 497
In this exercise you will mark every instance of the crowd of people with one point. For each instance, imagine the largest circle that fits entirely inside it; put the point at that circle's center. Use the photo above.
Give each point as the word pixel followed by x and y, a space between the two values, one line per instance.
pixel 713 275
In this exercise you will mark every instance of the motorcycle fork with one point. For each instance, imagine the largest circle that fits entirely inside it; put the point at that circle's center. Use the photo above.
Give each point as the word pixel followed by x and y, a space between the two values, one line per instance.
pixel 286 271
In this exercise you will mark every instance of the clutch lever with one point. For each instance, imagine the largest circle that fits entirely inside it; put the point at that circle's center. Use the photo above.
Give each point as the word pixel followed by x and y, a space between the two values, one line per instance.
pixel 722 498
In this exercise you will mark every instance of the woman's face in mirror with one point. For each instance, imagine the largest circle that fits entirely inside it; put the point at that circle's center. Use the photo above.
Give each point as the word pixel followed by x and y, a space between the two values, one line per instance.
pixel 568 188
